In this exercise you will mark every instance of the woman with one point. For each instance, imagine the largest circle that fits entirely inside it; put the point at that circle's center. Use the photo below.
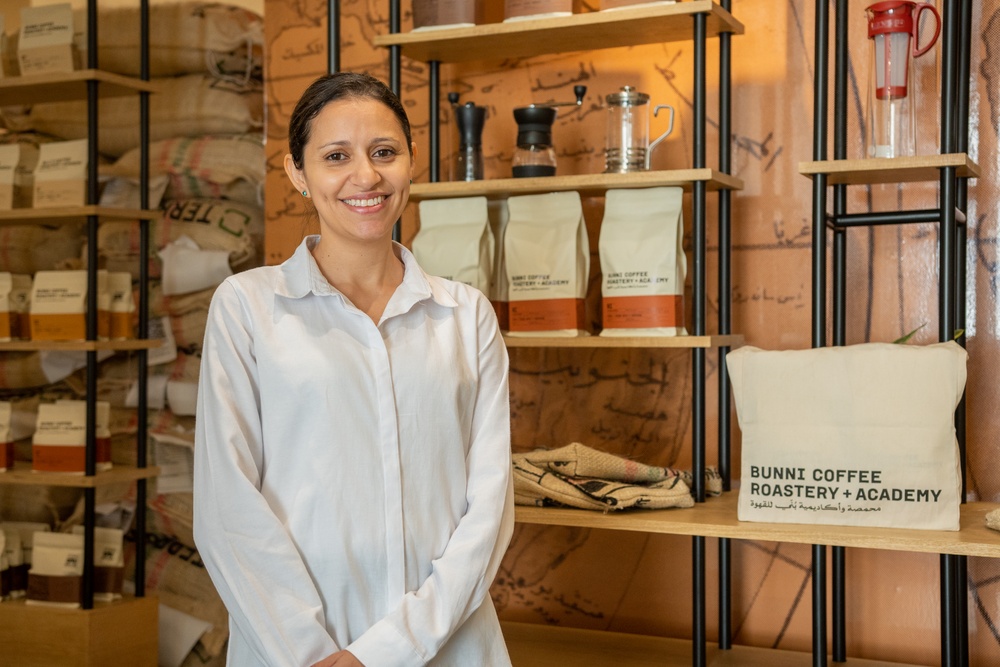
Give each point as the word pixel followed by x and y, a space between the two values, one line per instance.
pixel 352 458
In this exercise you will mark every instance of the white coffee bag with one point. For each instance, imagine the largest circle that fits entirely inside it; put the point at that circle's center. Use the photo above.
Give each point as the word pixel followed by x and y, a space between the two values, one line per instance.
pixel 6 321
pixel 45 43
pixel 19 302
pixel 498 282
pixel 109 562
pixel 56 570
pixel 58 305
pixel 455 241
pixel 102 428
pixel 643 263
pixel 60 177
pixel 10 156
pixel 547 258
pixel 60 439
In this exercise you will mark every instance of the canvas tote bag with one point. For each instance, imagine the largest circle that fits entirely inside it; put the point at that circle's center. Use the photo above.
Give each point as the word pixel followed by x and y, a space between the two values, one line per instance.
pixel 861 435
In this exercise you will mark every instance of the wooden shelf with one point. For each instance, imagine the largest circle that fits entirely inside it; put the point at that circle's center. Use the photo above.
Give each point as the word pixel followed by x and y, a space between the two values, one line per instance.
pixel 80 345
pixel 921 168
pixel 112 633
pixel 687 342
pixel 537 645
pixel 591 31
pixel 63 86
pixel 588 185
pixel 21 474
pixel 70 214
pixel 717 518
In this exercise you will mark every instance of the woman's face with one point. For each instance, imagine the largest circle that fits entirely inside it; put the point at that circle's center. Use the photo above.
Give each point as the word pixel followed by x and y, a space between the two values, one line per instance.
pixel 356 168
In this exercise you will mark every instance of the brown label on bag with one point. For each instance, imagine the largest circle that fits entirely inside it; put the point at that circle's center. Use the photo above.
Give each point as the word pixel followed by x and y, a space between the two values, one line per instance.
pixel 639 312
pixel 546 314
pixel 58 458
pixel 103 450
pixel 72 326
pixel 6 455
pixel 502 309
pixel 121 325
pixel 49 588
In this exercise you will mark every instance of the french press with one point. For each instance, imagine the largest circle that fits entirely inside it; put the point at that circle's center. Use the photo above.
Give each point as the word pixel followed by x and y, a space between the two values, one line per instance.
pixel 891 122
pixel 535 155
pixel 628 148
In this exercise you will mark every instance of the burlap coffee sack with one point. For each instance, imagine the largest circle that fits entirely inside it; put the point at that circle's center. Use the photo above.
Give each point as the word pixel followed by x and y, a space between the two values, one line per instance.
pixel 24 174
pixel 44 504
pixel 221 226
pixel 22 370
pixel 173 514
pixel 184 38
pixel 189 105
pixel 189 330
pixel 177 305
pixel 993 519
pixel 536 485
pixel 175 572
pixel 211 166
pixel 32 248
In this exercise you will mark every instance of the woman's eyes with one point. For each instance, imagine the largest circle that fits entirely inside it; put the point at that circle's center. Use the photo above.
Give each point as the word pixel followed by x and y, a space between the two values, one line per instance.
pixel 378 154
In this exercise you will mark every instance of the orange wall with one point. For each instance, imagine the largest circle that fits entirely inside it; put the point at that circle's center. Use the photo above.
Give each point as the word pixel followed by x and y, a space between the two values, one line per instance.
pixel 635 403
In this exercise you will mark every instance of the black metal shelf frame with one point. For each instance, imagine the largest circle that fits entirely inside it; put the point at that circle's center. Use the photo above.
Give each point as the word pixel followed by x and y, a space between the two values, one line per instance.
pixel 699 273
pixel 93 221
pixel 950 216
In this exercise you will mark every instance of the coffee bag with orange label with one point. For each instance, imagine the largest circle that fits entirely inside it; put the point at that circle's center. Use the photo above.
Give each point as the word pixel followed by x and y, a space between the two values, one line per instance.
pixel 643 263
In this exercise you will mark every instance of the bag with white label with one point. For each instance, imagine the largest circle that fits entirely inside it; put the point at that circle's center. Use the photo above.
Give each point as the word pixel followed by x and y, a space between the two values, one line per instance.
pixel 547 255
pixel 862 435
pixel 455 241
pixel 643 263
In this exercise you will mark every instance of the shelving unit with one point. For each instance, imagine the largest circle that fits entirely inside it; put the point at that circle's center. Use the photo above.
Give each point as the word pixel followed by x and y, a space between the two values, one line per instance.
pixel 125 631
pixel 533 645
pixel 950 169
pixel 692 22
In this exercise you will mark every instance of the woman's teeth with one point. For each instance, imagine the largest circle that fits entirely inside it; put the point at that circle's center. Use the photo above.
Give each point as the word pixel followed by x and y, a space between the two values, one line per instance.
pixel 365 202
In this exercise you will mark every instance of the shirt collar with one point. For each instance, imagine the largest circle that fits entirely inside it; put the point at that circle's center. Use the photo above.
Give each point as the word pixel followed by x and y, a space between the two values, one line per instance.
pixel 301 276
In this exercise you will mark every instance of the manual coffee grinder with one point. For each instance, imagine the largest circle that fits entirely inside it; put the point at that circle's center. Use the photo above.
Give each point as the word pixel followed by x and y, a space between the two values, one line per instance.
pixel 470 119
pixel 535 155
pixel 892 105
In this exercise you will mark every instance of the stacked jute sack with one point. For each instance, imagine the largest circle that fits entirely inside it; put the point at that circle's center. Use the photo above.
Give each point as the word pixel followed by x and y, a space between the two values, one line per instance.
pixel 579 476
pixel 206 170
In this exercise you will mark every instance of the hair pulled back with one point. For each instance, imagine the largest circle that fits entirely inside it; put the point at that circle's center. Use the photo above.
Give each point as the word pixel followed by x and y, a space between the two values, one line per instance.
pixel 333 87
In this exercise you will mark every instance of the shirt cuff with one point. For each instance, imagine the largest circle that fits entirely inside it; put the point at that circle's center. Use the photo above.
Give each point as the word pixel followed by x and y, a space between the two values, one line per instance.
pixel 382 645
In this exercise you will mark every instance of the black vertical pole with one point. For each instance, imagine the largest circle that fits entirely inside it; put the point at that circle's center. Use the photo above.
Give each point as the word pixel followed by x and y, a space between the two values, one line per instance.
pixel 142 356
pixel 434 121
pixel 93 195
pixel 698 360
pixel 725 326
pixel 952 592
pixel 333 36
pixel 395 57
pixel 963 55
pixel 820 101
pixel 838 565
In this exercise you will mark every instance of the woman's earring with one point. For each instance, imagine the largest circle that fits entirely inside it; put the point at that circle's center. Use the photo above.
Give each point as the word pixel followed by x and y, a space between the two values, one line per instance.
pixel 305 194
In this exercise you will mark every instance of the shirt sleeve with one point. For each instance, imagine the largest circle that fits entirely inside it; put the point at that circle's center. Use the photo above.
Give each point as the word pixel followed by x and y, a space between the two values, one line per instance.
pixel 251 559
pixel 460 578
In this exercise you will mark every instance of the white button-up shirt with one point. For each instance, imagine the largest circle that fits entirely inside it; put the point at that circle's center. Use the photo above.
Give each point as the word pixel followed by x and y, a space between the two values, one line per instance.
pixel 352 481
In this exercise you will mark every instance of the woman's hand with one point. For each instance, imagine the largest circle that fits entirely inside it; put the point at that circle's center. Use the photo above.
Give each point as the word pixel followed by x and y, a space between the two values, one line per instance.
pixel 339 659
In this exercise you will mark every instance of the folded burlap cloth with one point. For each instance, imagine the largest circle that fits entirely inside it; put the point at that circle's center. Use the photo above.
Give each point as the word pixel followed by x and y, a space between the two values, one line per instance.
pixel 993 519
pixel 579 476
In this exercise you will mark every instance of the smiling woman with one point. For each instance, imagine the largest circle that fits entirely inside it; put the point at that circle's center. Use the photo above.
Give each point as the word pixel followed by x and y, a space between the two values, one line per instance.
pixel 353 495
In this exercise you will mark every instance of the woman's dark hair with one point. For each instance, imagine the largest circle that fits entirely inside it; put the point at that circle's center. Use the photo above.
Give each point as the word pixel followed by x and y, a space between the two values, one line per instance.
pixel 339 86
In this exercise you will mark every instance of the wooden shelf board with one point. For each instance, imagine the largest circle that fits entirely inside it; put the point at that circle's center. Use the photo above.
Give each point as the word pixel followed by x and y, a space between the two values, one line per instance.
pixel 592 185
pixel 21 474
pixel 916 169
pixel 717 518
pixel 112 633
pixel 80 345
pixel 579 32
pixel 69 214
pixel 630 342
pixel 63 86
pixel 537 645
